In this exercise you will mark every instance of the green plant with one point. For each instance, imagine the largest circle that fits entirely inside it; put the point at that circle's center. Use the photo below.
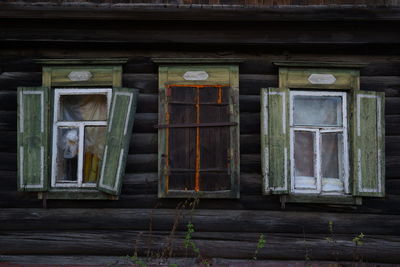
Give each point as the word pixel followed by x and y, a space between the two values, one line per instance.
pixel 189 243
pixel 358 241
pixel 260 245
pixel 188 239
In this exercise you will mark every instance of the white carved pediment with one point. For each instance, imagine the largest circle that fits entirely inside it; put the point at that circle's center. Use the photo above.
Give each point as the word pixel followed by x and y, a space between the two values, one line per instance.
pixel 321 79
pixel 79 76
pixel 195 75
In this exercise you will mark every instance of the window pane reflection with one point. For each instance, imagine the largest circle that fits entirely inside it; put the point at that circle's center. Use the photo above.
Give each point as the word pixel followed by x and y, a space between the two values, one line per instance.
pixel 317 110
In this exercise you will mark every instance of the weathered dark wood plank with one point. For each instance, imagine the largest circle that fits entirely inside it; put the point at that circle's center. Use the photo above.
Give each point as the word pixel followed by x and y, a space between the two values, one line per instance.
pixel 144 123
pixel 393 186
pixel 199 11
pixel 211 244
pixel 8 180
pixel 10 141
pixel 11 80
pixel 392 146
pixel 8 161
pixel 249 33
pixel 392 125
pixel 204 220
pixel 143 143
pixel 153 262
pixel 8 100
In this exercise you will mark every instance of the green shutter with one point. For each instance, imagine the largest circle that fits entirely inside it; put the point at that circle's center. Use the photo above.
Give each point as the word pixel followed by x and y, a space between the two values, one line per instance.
pixel 368 144
pixel 119 129
pixel 274 140
pixel 32 139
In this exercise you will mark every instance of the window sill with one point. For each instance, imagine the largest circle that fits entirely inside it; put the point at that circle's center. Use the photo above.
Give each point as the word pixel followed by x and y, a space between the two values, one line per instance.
pixel 327 199
pixel 75 194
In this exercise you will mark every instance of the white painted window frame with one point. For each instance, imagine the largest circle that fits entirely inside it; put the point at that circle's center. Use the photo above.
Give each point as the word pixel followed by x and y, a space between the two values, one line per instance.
pixel 58 92
pixel 318 130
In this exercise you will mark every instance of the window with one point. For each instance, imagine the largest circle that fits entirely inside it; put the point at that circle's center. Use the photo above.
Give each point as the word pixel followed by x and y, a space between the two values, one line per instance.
pixel 73 133
pixel 79 131
pixel 322 137
pixel 318 142
pixel 198 131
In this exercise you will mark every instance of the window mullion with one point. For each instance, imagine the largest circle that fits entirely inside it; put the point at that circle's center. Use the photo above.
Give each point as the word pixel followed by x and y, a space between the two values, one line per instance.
pixel 345 146
pixel 55 156
pixel 318 160
pixel 80 153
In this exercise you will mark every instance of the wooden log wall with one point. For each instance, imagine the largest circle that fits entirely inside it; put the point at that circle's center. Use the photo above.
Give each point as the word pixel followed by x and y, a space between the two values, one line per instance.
pixel 225 228
pixel 222 2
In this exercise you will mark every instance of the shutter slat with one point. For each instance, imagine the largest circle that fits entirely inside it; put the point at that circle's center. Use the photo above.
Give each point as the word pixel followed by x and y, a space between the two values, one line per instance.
pixel 32 139
pixel 206 146
pixel 119 129
pixel 368 144
pixel 274 140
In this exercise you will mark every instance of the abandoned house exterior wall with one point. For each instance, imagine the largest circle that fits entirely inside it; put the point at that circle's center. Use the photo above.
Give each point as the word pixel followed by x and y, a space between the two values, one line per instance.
pixel 254 40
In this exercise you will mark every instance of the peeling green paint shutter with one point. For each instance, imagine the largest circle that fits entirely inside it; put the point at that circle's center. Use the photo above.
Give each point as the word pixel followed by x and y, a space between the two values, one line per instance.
pixel 274 140
pixel 119 129
pixel 32 139
pixel 368 144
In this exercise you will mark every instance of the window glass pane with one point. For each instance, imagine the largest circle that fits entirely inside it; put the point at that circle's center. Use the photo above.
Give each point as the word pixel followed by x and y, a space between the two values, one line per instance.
pixel 304 154
pixel 67 154
pixel 93 152
pixel 330 144
pixel 332 161
pixel 317 110
pixel 83 107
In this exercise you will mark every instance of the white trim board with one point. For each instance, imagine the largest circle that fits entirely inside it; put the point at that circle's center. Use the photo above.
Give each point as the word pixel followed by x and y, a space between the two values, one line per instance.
pixel 80 125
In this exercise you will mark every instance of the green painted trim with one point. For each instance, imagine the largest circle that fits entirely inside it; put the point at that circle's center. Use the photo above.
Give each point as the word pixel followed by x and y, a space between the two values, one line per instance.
pixel 119 131
pixel 336 200
pixel 82 61
pixel 32 138
pixel 369 143
pixel 266 190
pixel 76 195
pixel 103 75
pixel 277 137
pixel 234 131
pixel 296 77
pixel 197 60
pixel 326 64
